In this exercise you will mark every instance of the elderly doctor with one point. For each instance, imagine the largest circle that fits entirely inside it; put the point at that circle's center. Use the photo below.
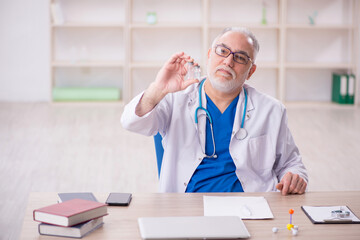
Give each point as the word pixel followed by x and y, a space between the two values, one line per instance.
pixel 219 134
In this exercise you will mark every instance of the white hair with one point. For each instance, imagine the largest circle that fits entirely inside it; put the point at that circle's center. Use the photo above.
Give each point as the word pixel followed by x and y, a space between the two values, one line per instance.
pixel 244 31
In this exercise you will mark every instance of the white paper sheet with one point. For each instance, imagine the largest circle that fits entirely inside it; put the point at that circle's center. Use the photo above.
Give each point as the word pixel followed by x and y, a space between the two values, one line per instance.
pixel 244 207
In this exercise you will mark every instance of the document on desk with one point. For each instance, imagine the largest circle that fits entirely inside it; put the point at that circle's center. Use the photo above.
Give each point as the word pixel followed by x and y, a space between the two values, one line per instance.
pixel 244 207
pixel 330 214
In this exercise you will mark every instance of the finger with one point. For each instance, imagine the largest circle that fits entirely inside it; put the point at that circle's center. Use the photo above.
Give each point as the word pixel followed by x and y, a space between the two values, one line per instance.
pixel 302 186
pixel 189 60
pixel 184 68
pixel 189 82
pixel 186 56
pixel 279 186
pixel 187 67
pixel 293 188
pixel 183 62
pixel 286 181
pixel 299 187
pixel 175 57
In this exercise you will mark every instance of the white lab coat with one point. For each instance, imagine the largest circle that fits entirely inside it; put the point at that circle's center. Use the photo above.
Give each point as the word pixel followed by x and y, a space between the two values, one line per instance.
pixel 261 159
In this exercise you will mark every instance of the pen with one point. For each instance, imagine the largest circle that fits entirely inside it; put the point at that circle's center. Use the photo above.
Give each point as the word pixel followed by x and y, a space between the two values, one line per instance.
pixel 246 210
pixel 342 220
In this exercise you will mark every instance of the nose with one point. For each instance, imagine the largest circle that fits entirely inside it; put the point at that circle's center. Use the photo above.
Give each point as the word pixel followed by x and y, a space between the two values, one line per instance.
pixel 229 60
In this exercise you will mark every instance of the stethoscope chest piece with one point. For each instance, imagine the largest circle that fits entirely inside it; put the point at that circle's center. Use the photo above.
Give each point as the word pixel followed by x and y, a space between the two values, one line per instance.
pixel 241 134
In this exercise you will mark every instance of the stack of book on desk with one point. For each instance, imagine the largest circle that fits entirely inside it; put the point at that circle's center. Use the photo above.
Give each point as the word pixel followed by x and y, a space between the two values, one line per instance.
pixel 73 218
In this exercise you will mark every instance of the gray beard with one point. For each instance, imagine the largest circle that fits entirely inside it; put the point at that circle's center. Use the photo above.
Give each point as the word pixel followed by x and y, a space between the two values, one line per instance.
pixel 225 87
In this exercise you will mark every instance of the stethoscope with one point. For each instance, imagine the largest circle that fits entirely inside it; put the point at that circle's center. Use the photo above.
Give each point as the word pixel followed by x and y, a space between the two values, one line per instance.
pixel 240 135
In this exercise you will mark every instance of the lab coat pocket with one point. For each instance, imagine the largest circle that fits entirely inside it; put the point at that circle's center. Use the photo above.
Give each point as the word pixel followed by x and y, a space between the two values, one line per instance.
pixel 262 154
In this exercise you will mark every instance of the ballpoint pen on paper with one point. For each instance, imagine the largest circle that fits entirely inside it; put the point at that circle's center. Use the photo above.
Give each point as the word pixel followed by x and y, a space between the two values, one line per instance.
pixel 334 220
pixel 246 210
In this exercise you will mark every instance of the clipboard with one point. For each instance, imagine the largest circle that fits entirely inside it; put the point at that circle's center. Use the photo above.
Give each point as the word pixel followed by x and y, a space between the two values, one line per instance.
pixel 322 215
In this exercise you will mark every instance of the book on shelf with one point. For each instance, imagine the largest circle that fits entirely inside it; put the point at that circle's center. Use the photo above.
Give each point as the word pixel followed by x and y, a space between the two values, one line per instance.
pixel 77 231
pixel 70 213
pixel 343 88
pixel 76 195
pixel 86 94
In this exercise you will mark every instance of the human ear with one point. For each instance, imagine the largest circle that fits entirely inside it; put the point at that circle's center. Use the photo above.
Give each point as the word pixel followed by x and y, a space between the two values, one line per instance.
pixel 252 70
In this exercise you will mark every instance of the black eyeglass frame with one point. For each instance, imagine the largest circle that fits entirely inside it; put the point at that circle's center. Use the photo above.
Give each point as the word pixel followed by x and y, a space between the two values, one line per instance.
pixel 233 53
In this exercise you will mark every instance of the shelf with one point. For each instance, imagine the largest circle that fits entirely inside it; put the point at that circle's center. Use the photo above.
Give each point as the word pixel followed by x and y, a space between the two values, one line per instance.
pixel 147 64
pixel 267 64
pixel 291 50
pixel 160 64
pixel 317 105
pixel 300 65
pixel 164 25
pixel 318 27
pixel 248 25
pixel 88 64
pixel 88 25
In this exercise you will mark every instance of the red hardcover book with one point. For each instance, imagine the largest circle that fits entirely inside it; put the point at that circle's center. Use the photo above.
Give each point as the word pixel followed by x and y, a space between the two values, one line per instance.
pixel 70 213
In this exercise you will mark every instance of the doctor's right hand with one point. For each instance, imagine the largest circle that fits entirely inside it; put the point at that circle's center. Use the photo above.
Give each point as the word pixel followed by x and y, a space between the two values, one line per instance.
pixel 169 79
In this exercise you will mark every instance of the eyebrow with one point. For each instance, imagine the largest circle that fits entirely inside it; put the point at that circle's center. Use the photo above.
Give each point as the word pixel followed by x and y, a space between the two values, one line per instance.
pixel 239 51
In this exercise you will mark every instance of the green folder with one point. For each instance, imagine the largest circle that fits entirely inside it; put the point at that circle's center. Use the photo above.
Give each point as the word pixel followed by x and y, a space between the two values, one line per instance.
pixel 85 94
pixel 339 88
pixel 351 89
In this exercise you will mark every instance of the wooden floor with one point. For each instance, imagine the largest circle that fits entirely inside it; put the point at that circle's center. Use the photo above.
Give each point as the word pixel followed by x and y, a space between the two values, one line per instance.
pixel 82 147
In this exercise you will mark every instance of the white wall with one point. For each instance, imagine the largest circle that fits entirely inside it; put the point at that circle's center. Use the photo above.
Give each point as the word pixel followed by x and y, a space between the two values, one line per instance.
pixel 24 50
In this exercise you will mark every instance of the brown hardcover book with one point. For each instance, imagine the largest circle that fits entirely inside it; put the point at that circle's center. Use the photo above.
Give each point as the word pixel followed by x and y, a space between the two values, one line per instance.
pixel 70 213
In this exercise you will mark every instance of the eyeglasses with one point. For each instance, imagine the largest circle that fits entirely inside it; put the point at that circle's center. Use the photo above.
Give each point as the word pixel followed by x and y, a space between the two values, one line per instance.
pixel 239 57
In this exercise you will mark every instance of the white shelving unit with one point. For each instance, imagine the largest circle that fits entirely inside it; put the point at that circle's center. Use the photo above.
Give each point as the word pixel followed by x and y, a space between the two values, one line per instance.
pixel 89 46
pixel 112 39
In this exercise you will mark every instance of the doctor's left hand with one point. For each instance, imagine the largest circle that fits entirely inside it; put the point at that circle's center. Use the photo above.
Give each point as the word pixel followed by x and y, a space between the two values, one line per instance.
pixel 292 184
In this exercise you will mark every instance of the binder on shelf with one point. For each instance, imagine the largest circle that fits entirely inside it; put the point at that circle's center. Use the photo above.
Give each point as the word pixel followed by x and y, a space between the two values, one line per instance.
pixel 85 94
pixel 351 89
pixel 343 88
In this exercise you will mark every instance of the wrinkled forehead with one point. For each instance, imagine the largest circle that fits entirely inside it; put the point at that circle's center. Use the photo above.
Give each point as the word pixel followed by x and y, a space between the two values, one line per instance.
pixel 237 42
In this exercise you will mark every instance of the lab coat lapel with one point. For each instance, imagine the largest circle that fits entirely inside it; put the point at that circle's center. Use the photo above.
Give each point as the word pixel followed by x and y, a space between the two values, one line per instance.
pixel 240 110
pixel 193 104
